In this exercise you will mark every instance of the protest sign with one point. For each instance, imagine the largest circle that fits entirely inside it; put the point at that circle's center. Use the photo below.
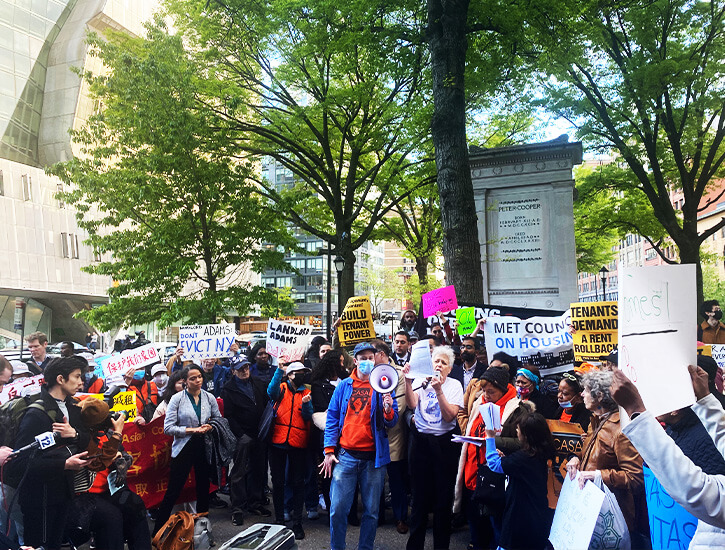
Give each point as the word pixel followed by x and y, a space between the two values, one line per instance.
pixel 657 334
pixel 206 341
pixel 22 387
pixel 717 352
pixel 465 320
pixel 356 322
pixel 286 341
pixel 421 362
pixel 440 299
pixel 576 515
pixel 544 342
pixel 595 329
pixel 136 358
pixel 670 525
pixel 122 401
pixel 567 441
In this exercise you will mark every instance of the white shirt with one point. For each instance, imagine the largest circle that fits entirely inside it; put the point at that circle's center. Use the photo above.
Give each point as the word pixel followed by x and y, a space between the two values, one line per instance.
pixel 428 417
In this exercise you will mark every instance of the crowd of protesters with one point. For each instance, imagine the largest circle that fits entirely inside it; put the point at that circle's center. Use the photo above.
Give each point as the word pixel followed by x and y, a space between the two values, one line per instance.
pixel 314 434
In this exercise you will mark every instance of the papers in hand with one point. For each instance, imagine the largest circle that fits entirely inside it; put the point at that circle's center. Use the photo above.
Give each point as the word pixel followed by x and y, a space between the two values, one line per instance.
pixel 477 441
pixel 491 416
pixel 421 363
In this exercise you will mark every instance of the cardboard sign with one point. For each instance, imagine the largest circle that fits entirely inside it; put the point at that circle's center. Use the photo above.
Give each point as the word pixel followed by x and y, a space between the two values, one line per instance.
pixel 136 358
pixel 30 385
pixel 206 341
pixel 356 322
pixel 595 329
pixel 465 320
pixel 123 401
pixel 657 334
pixel 567 441
pixel 717 352
pixel 286 341
pixel 544 342
pixel 440 299
pixel 670 525
pixel 576 515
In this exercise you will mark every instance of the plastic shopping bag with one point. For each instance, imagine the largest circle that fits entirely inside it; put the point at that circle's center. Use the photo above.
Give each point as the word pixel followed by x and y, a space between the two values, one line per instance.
pixel 611 530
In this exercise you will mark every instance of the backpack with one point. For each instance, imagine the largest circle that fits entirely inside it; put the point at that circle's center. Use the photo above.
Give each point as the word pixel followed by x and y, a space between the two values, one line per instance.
pixel 12 412
pixel 184 531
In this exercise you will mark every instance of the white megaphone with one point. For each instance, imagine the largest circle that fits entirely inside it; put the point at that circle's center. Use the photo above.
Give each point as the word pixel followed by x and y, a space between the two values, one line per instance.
pixel 384 378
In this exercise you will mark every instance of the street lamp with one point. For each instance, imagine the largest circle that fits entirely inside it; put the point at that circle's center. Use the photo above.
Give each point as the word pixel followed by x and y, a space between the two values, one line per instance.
pixel 603 274
pixel 339 266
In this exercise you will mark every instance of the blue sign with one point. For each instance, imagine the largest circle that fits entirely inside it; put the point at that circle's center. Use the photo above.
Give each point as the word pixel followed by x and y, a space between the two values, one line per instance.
pixel 670 525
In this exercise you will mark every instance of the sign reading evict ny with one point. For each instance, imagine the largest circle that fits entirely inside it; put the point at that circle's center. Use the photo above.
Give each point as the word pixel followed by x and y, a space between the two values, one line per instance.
pixel 595 329
pixel 356 321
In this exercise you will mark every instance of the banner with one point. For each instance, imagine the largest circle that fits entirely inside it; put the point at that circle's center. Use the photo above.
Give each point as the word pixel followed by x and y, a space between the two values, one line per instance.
pixel 440 299
pixel 567 441
pixel 465 320
pixel 136 358
pixel 286 341
pixel 123 401
pixel 544 342
pixel 595 329
pixel 356 322
pixel 30 385
pixel 670 525
pixel 206 341
pixel 576 515
pixel 657 334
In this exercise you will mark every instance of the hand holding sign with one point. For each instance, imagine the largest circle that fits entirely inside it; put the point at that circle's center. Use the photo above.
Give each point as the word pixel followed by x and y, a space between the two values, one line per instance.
pixel 439 300
pixel 465 320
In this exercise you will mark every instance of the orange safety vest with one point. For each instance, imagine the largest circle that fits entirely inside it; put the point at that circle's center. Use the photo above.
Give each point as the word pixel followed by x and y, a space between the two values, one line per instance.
pixel 289 426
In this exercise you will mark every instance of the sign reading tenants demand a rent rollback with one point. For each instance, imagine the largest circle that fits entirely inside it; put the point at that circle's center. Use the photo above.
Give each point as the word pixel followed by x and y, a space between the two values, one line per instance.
pixel 356 321
pixel 287 341
pixel 595 329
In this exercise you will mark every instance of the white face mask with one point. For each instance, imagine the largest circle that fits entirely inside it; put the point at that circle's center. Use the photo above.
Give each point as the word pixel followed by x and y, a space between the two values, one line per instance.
pixel 161 379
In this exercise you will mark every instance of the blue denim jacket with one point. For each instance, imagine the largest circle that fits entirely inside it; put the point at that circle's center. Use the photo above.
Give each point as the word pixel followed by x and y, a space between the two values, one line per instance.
pixel 336 418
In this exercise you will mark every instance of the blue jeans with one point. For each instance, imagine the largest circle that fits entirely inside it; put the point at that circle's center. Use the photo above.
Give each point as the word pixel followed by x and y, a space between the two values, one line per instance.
pixel 345 477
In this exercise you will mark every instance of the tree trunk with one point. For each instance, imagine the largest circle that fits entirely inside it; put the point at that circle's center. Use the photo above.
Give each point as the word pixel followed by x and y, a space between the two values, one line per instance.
pixel 448 44
pixel 347 278
pixel 689 248
pixel 421 267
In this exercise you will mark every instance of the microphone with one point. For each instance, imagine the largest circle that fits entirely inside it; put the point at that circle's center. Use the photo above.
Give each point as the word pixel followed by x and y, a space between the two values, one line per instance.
pixel 42 442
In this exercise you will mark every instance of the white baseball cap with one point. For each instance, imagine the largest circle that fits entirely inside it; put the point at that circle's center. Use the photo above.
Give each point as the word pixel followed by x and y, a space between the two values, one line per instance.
pixel 295 366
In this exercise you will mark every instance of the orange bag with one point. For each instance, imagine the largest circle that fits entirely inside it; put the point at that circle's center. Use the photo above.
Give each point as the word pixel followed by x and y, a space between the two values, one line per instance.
pixel 177 533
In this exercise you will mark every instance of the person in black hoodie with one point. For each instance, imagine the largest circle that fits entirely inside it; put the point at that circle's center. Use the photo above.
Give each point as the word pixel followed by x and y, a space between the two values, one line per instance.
pixel 244 401
pixel 44 478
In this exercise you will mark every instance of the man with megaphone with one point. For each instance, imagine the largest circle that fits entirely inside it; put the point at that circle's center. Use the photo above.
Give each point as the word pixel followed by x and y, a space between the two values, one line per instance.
pixel 356 446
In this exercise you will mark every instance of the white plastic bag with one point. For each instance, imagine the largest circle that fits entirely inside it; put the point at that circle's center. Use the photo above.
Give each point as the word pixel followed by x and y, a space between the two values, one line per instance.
pixel 203 538
pixel 611 530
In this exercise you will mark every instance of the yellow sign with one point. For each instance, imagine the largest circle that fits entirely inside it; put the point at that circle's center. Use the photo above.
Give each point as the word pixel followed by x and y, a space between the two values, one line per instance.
pixel 356 322
pixel 595 329
pixel 124 401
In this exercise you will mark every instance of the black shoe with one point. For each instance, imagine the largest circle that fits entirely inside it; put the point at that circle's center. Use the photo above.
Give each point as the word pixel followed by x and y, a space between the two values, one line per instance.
pixel 298 531
pixel 226 490
pixel 237 518
pixel 260 511
pixel 216 502
pixel 280 521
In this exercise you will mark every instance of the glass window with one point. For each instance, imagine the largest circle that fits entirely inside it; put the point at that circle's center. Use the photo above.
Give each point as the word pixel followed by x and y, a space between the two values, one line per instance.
pixel 64 245
pixel 314 281
pixel 314 264
pixel 313 298
pixel 298 264
pixel 27 188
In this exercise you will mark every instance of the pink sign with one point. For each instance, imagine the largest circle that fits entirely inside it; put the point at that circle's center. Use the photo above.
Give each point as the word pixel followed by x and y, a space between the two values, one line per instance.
pixel 442 299
pixel 133 358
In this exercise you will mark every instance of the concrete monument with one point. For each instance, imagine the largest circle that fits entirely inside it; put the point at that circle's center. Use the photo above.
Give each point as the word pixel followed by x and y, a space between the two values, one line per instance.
pixel 524 201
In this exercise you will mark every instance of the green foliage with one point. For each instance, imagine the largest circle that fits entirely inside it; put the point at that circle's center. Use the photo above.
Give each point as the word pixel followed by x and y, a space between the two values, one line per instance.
pixel 282 306
pixel 712 285
pixel 380 284
pixel 164 201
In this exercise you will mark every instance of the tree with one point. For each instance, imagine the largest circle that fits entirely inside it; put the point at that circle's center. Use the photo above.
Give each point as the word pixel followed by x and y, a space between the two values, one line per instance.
pixel 163 200
pixel 644 79
pixel 324 91
pixel 282 306
pixel 380 284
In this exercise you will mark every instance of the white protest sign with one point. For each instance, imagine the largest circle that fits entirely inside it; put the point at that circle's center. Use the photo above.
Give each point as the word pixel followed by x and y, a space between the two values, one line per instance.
pixel 136 358
pixel 23 387
pixel 421 362
pixel 658 333
pixel 286 341
pixel 491 416
pixel 544 342
pixel 206 341
pixel 718 354
pixel 576 515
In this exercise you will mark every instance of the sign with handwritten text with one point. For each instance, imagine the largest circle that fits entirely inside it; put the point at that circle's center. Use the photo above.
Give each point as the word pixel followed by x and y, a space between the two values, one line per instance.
pixel 441 299
pixel 657 333
pixel 576 515
pixel 287 341
pixel 206 341
pixel 465 320
pixel 136 358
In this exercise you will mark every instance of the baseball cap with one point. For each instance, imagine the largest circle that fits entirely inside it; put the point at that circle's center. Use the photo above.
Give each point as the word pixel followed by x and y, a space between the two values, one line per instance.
pixel 363 346
pixel 295 366
pixel 157 369
pixel 19 367
pixel 239 362
pixel 413 335
pixel 613 357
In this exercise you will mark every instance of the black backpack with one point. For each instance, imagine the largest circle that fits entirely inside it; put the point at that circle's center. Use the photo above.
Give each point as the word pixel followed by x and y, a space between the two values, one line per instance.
pixel 12 413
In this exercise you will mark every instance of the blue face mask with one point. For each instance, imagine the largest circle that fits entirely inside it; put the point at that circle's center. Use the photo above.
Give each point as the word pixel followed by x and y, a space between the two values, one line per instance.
pixel 565 404
pixel 365 366
pixel 139 375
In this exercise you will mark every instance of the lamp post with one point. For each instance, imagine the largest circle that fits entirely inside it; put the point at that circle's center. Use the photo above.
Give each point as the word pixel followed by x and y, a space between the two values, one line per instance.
pixel 329 252
pixel 339 266
pixel 603 275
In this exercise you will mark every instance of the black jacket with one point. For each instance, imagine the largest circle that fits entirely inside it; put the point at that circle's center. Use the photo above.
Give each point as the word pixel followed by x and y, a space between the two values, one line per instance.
pixel 47 481
pixel 322 391
pixel 579 415
pixel 243 413
pixel 545 406
pixel 457 372
pixel 691 436
pixel 33 366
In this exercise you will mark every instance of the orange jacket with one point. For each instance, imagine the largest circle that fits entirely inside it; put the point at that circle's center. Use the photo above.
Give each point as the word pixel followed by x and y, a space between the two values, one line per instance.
pixel 289 425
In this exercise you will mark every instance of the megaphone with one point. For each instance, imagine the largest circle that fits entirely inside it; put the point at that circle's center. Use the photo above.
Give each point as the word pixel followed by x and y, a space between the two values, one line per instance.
pixel 384 378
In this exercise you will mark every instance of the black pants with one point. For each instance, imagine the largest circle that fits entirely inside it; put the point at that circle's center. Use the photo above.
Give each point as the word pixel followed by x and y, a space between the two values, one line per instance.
pixel 192 455
pixel 135 526
pixel 433 466
pixel 297 468
pixel 44 524
pixel 246 478
pixel 94 514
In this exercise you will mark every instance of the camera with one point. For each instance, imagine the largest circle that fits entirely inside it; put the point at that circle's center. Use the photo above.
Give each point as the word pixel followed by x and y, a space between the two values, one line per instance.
pixel 115 415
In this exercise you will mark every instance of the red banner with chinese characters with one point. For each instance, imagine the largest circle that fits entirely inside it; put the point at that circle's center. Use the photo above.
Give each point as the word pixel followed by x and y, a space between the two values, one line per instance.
pixel 148 476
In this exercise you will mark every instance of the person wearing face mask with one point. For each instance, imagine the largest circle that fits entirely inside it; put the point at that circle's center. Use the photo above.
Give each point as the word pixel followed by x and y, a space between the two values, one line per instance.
pixel 433 457
pixel 571 404
pixel 160 378
pixel 290 433
pixel 356 448
pixel 470 368
pixel 527 389
pixel 147 394
pixel 712 329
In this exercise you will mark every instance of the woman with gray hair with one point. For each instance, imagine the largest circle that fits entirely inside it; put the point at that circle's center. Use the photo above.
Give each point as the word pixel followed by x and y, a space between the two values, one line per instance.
pixel 433 457
pixel 606 451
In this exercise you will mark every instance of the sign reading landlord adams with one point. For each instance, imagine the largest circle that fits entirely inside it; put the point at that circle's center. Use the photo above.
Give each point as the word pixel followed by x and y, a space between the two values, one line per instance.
pixel 519 231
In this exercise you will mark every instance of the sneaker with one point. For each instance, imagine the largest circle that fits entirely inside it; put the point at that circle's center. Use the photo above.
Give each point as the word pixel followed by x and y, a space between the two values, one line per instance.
pixel 321 503
pixel 287 516
pixel 216 502
pixel 298 531
pixel 237 518
pixel 313 514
